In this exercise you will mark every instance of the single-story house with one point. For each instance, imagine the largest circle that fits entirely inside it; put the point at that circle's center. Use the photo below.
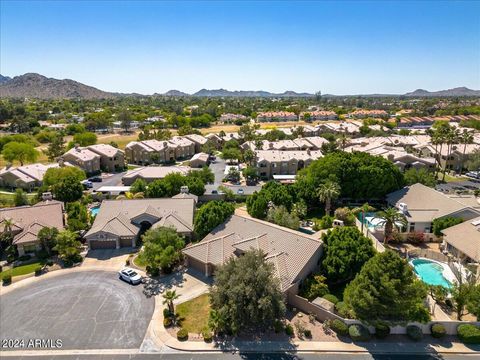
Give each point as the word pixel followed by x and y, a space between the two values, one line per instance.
pixel 463 240
pixel 151 173
pixel 294 254
pixel 422 204
pixel 26 177
pixel 27 221
pixel 120 222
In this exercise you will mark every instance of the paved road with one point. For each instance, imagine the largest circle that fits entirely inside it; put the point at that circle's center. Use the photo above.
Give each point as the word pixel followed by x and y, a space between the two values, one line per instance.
pixel 251 356
pixel 218 169
pixel 114 180
pixel 86 310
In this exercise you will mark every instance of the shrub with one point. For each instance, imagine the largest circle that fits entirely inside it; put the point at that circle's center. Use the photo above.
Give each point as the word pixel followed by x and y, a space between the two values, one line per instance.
pixel 438 331
pixel 24 258
pixel 207 335
pixel 127 262
pixel 7 280
pixel 339 327
pixel 342 309
pixel 49 263
pixel 414 332
pixel 182 334
pixel 332 298
pixel 166 313
pixel 289 330
pixel 153 271
pixel 469 334
pixel 38 271
pixel 278 326
pixel 358 332
pixel 314 286
pixel 382 330
pixel 167 322
pixel 41 254
pixel 308 334
pixel 1 268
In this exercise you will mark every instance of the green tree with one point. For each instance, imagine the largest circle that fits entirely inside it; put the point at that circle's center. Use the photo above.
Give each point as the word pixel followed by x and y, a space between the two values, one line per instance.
pixel 249 157
pixel 138 186
pixel 210 215
pixel 161 248
pixel 85 139
pixel 473 163
pixel 346 250
pixel 77 216
pixel 205 174
pixel 56 148
pixel 422 176
pixel 279 215
pixel 257 205
pixel 20 198
pixel 314 286
pixel 231 154
pixel 246 294
pixel 156 189
pixel 168 298
pixel 443 223
pixel 21 152
pixel 327 193
pixel 464 297
pixel 387 289
pixel 125 119
pixel 55 175
pixel 473 304
pixel 68 247
pixel 365 208
pixel 195 185
pixel 389 218
pixel 300 209
pixel 48 238
pixel 68 189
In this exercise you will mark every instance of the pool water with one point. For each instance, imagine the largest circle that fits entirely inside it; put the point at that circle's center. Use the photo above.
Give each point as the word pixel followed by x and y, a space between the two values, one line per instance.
pixel 94 210
pixel 430 272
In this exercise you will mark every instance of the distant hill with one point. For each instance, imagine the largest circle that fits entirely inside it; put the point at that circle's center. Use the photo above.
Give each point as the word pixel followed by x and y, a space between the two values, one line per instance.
pixel 4 79
pixel 459 91
pixel 247 93
pixel 33 85
pixel 176 93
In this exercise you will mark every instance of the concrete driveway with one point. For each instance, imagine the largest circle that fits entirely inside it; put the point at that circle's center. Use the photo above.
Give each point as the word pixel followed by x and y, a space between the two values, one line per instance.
pixel 86 310
pixel 107 259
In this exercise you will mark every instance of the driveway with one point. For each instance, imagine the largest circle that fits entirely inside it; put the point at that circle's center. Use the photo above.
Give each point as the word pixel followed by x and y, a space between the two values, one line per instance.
pixel 112 180
pixel 218 169
pixel 86 310
pixel 107 259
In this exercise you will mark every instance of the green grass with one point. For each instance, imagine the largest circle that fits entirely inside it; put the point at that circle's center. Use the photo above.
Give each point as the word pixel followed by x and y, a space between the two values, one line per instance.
pixel 21 270
pixel 7 199
pixel 450 178
pixel 138 262
pixel 193 314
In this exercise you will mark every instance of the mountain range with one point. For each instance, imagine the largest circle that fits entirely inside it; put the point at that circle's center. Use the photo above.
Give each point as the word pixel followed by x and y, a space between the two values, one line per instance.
pixel 32 85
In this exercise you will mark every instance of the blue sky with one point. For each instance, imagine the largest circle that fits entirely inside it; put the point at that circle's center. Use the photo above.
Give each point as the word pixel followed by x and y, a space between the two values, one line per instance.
pixel 336 47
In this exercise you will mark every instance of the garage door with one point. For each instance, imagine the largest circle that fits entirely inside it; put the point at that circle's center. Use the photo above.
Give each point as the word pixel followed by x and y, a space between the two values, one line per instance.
pixel 96 244
pixel 196 264
pixel 125 242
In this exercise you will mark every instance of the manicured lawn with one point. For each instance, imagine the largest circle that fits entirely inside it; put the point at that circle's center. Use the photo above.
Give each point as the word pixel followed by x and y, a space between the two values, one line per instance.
pixel 194 314
pixel 21 270
pixel 139 263
pixel 6 199
pixel 450 178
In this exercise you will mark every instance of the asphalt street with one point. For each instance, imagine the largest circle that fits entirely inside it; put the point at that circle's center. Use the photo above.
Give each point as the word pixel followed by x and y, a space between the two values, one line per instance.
pixel 113 180
pixel 218 169
pixel 85 310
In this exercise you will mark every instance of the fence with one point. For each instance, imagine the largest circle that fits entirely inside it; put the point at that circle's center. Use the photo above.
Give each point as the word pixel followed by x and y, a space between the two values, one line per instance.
pixel 376 243
pixel 429 254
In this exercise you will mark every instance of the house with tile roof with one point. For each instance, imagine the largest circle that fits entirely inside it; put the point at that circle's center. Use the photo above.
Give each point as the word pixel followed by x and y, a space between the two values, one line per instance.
pixel 84 158
pixel 294 255
pixel 27 221
pixel 463 240
pixel 119 222
pixel 111 158
pixel 151 173
pixel 278 162
pixel 26 177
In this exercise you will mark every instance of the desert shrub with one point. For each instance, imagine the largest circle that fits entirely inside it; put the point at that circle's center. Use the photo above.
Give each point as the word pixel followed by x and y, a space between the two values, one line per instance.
pixel 469 334
pixel 414 332
pixel 339 327
pixel 289 330
pixel 415 237
pixel 300 328
pixel 38 271
pixel 358 332
pixel 308 334
pixel 438 331
pixel 207 335
pixel 332 298
pixel 342 310
pixel 382 330
pixel 182 334
pixel 7 280
pixel 167 322
pixel 278 326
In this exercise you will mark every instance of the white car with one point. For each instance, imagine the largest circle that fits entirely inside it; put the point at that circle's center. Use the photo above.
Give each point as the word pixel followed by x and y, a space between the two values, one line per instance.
pixel 130 276
pixel 240 192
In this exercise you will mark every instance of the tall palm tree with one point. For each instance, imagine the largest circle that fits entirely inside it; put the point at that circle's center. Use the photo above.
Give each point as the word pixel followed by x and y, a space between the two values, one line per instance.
pixel 465 138
pixel 451 138
pixel 168 298
pixel 327 193
pixel 365 208
pixel 389 217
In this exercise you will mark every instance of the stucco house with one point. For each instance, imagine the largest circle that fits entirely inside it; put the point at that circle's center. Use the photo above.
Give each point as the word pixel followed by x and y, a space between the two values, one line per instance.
pixel 26 177
pixel 111 158
pixel 84 158
pixel 151 173
pixel 294 254
pixel 463 240
pixel 119 222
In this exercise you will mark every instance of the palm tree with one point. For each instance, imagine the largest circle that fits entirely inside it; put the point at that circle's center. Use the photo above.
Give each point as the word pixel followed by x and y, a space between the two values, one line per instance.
pixel 465 138
pixel 363 209
pixel 6 235
pixel 168 298
pixel 327 193
pixel 389 217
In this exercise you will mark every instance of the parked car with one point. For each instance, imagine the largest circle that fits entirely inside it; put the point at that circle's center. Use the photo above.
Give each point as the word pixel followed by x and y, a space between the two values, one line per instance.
pixel 473 174
pixel 87 184
pixel 240 192
pixel 214 192
pixel 95 179
pixel 130 276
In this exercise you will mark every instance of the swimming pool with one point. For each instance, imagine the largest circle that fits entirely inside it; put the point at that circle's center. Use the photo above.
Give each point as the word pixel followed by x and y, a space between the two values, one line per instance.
pixel 431 272
pixel 94 210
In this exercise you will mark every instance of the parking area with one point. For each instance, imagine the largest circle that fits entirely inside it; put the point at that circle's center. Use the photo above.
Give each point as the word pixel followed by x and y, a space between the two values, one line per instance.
pixel 85 310
pixel 467 185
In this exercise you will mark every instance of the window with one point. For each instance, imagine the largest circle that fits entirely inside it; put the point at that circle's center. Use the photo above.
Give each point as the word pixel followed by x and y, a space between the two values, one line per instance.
pixel 412 227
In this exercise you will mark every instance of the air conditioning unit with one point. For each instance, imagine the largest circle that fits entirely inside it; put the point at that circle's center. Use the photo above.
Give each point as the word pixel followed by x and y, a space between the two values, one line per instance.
pixel 403 208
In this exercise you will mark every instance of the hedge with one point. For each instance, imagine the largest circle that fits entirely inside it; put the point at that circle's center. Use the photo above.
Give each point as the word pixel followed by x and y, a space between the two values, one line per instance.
pixel 332 298
pixel 207 336
pixel 167 322
pixel 414 332
pixel 438 331
pixel 339 327
pixel 342 310
pixel 182 334
pixel 7 279
pixel 382 330
pixel 468 333
pixel 38 271
pixel 358 332
pixel 289 330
